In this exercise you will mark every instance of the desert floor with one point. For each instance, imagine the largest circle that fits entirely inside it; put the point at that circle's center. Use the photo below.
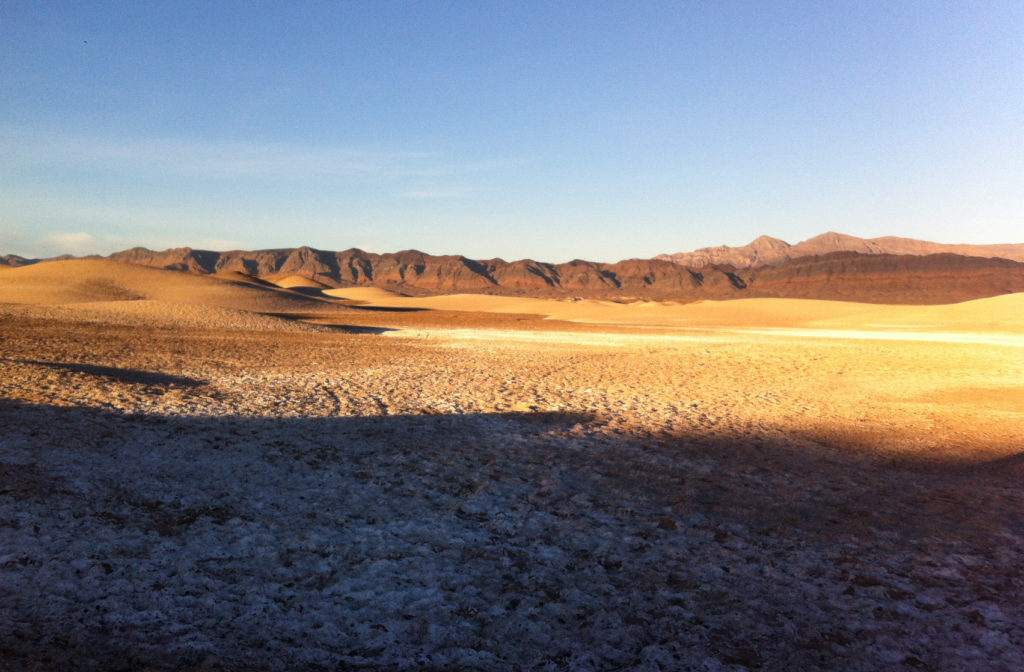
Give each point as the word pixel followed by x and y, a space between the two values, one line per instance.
pixel 487 489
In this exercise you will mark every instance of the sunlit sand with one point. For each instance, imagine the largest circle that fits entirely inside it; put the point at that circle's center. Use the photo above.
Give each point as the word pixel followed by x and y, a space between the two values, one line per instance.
pixel 997 320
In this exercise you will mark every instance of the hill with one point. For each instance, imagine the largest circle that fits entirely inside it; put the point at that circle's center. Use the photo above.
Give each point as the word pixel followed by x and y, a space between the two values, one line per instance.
pixel 101 280
pixel 112 292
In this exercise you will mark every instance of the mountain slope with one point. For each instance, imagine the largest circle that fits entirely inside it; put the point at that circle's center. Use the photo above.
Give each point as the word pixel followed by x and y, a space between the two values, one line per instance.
pixel 829 266
pixel 15 261
pixel 887 278
pixel 851 276
pixel 767 251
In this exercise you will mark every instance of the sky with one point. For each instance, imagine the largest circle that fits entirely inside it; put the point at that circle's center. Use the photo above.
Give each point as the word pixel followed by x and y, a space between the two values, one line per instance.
pixel 549 130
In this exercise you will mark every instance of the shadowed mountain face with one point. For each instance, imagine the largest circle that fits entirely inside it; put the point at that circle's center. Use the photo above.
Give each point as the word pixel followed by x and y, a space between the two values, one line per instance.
pixel 864 272
pixel 852 276
pixel 766 250
pixel 887 278
pixel 416 271
pixel 14 260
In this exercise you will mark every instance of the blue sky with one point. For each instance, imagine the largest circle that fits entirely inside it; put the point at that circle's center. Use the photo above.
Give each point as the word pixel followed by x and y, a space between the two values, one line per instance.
pixel 551 130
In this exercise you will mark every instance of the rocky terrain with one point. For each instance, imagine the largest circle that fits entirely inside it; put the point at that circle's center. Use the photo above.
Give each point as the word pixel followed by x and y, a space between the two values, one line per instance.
pixel 429 489
pixel 850 276
pixel 886 278
pixel 766 250
pixel 830 266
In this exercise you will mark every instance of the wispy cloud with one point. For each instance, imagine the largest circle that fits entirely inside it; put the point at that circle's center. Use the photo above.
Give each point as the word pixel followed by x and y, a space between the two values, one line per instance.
pixel 80 243
pixel 62 186
pixel 77 243
pixel 220 159
pixel 74 243
pixel 221 244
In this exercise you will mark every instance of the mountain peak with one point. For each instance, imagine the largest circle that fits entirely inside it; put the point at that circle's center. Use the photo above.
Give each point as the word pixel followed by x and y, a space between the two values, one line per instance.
pixel 768 240
pixel 767 251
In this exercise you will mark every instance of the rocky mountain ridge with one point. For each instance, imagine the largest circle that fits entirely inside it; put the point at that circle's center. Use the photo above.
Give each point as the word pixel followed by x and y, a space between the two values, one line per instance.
pixel 417 272
pixel 868 275
pixel 767 251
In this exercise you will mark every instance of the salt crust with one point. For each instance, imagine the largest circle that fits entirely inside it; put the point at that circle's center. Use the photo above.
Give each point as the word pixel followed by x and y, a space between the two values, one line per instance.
pixel 160 314
pixel 482 541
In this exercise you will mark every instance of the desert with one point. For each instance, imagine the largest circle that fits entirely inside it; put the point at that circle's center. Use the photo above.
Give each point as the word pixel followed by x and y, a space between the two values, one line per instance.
pixel 233 473
pixel 511 336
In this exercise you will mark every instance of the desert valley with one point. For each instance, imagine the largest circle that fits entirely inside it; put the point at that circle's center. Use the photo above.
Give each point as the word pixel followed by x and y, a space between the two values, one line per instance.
pixel 704 463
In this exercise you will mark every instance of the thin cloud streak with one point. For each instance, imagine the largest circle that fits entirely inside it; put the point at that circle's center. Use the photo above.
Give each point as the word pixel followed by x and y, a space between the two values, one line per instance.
pixel 230 159
pixel 81 243
pixel 77 243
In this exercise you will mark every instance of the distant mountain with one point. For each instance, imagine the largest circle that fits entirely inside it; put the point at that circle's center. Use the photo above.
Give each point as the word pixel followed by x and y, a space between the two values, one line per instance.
pixel 830 266
pixel 852 276
pixel 416 272
pixel 14 260
pixel 766 250
pixel 887 278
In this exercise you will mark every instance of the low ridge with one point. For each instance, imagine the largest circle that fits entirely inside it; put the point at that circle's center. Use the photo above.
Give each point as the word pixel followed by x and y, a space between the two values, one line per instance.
pixel 830 266
pixel 849 276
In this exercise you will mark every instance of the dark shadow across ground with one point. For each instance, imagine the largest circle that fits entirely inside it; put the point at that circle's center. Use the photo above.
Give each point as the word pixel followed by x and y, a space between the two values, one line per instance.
pixel 494 541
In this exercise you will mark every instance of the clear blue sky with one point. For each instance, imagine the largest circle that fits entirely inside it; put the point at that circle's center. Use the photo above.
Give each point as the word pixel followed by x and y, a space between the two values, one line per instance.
pixel 551 130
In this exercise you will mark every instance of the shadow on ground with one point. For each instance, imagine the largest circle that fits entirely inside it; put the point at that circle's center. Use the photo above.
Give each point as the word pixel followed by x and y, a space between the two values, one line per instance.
pixel 134 376
pixel 483 541
pixel 355 328
pixel 389 309
pixel 328 322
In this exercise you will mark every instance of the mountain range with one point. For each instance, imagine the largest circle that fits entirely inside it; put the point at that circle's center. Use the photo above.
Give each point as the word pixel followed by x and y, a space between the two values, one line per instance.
pixel 766 251
pixel 830 266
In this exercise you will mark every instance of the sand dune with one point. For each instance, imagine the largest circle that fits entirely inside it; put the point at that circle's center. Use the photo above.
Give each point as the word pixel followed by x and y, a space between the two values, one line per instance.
pixel 112 283
pixel 998 313
pixel 1002 313
pixel 236 276
pixel 88 281
pixel 286 281
pixel 371 294
pixel 748 312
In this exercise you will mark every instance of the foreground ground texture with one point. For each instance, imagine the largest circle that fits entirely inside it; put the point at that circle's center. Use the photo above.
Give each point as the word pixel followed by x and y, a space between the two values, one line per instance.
pixel 389 495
